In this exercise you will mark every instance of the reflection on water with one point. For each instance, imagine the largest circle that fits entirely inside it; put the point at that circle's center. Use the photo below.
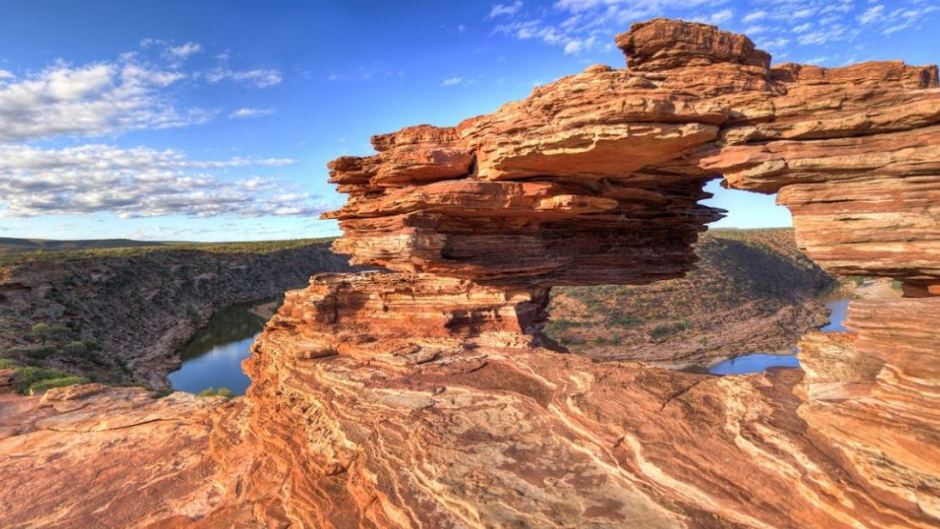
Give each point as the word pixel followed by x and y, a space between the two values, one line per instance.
pixel 758 362
pixel 213 357
pixel 753 363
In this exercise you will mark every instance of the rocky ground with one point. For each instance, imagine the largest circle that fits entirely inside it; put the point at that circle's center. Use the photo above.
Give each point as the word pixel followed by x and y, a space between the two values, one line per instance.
pixel 751 290
pixel 429 398
pixel 120 316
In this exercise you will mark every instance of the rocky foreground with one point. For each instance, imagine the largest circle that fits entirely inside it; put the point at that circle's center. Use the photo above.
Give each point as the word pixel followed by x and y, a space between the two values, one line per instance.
pixel 428 397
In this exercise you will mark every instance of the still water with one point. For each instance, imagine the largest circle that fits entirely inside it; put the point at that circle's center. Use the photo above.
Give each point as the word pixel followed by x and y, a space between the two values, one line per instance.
pixel 213 357
pixel 758 362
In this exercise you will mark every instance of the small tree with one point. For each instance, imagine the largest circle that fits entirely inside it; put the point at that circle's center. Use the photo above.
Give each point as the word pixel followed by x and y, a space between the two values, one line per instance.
pixel 40 331
pixel 75 348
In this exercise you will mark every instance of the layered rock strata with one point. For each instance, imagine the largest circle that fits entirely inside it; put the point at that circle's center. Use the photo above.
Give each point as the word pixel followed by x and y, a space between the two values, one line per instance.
pixel 427 398
pixel 421 399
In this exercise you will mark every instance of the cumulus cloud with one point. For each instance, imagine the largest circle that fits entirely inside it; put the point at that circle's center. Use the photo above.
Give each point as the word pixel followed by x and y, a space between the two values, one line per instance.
pixel 500 10
pixel 138 182
pixel 452 81
pixel 94 99
pixel 248 112
pixel 5 74
pixel 184 50
pixel 260 77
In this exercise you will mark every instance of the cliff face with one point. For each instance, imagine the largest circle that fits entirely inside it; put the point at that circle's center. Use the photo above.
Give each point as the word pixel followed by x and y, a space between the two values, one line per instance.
pixel 132 312
pixel 428 397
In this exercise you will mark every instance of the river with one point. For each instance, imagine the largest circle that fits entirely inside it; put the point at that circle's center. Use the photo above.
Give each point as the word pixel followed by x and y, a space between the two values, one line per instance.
pixel 758 362
pixel 213 357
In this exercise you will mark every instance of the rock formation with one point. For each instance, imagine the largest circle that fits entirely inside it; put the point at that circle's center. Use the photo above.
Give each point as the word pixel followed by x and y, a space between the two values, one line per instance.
pixel 427 396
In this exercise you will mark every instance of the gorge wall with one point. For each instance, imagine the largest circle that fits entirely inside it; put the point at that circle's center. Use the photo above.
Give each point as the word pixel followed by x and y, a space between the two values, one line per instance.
pixel 133 311
pixel 428 397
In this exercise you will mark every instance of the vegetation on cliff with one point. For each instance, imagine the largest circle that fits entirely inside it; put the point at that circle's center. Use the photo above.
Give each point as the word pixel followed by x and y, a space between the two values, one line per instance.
pixel 120 314
pixel 752 290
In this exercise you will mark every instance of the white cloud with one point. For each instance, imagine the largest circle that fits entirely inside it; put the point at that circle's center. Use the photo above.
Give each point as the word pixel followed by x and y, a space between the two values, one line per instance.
pixel 576 46
pixel 94 99
pixel 248 112
pixel 872 14
pixel 826 34
pixel 5 74
pixel 817 22
pixel 151 42
pixel 900 19
pixel 754 16
pixel 773 44
pixel 262 78
pixel 803 28
pixel 585 22
pixel 500 10
pixel 803 13
pixel 817 60
pixel 452 81
pixel 138 182
pixel 721 16
pixel 184 50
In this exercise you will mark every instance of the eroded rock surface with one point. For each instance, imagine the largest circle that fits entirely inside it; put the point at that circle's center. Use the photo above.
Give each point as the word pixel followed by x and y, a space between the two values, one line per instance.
pixel 428 398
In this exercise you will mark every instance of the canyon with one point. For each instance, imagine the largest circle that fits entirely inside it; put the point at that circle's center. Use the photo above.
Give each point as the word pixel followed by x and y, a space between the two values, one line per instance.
pixel 131 308
pixel 426 394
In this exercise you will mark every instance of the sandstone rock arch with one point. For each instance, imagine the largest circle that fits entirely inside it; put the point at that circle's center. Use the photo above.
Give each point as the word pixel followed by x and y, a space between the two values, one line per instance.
pixel 423 397
pixel 450 415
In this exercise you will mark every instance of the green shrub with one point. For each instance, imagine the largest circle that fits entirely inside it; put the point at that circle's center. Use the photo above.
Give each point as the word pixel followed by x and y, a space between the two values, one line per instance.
pixel 49 383
pixel 75 348
pixel 896 284
pixel 27 376
pixel 623 320
pixel 160 393
pixel 560 325
pixel 41 352
pixel 8 363
pixel 40 331
pixel 665 330
pixel 212 392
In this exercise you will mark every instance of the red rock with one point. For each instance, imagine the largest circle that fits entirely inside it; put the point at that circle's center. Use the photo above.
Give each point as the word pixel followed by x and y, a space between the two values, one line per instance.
pixel 422 398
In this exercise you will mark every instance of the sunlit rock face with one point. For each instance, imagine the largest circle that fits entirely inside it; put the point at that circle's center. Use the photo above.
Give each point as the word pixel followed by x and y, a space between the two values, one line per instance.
pixel 427 397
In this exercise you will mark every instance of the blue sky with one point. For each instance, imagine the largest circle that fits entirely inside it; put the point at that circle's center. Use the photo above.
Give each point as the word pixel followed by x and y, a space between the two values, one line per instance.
pixel 214 120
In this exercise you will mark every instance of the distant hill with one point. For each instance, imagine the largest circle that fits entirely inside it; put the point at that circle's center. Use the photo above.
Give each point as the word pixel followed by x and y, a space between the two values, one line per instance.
pixel 751 290
pixel 12 245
